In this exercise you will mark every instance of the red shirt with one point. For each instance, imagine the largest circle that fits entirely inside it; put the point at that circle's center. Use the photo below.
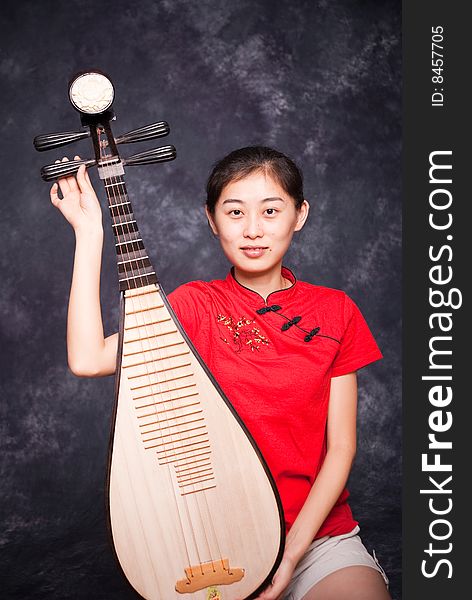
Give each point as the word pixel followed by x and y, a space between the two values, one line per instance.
pixel 275 367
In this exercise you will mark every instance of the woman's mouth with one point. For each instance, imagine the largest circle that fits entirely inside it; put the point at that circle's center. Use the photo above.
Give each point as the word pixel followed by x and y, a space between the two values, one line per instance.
pixel 254 251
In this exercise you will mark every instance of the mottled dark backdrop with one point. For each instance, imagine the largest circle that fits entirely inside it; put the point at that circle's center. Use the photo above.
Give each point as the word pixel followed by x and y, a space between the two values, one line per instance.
pixel 319 80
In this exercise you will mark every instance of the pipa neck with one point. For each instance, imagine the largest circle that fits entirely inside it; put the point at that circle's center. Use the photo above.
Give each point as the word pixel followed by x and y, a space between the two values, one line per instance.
pixel 134 267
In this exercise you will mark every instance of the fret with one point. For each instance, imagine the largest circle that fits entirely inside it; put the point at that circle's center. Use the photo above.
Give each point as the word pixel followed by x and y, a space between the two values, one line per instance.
pixel 127 237
pixel 122 262
pixel 168 426
pixel 149 337
pixel 159 358
pixel 160 392
pixel 139 283
pixel 131 250
pixel 203 463
pixel 196 479
pixel 193 471
pixel 137 276
pixel 124 228
pixel 136 240
pixel 179 458
pixel 129 242
pixel 133 294
pixel 185 460
pixel 200 490
pixel 137 267
pixel 145 309
pixel 163 391
pixel 119 204
pixel 174 444
pixel 117 196
pixel 154 349
pixel 158 437
pixel 154 359
pixel 107 185
pixel 153 414
pixel 123 208
pixel 196 475
pixel 123 223
pixel 144 325
pixel 166 456
pixel 159 412
pixel 121 220
pixel 160 371
pixel 138 387
pixel 166 402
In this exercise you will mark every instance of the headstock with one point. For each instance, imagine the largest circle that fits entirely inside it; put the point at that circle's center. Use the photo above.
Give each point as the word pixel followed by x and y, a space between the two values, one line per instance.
pixel 92 93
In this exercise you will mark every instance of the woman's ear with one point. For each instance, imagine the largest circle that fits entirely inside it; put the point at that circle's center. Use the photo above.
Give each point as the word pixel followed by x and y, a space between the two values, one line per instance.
pixel 210 221
pixel 302 215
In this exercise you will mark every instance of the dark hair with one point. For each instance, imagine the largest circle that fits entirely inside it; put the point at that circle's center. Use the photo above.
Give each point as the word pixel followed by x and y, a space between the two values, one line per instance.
pixel 242 162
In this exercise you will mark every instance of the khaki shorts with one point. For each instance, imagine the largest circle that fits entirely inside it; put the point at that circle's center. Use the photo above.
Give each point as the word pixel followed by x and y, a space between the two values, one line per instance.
pixel 326 555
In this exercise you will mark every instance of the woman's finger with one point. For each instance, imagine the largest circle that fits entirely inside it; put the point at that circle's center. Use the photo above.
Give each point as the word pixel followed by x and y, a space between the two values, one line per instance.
pixel 54 195
pixel 84 181
pixel 63 181
pixel 86 175
pixel 71 180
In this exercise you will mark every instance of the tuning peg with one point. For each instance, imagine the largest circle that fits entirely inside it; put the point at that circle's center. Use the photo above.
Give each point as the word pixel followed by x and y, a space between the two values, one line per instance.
pixel 64 169
pixel 55 140
pixel 151 156
pixel 148 132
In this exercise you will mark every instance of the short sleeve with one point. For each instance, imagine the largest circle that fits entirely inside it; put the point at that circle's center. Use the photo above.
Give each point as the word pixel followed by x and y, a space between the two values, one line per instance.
pixel 358 347
pixel 190 303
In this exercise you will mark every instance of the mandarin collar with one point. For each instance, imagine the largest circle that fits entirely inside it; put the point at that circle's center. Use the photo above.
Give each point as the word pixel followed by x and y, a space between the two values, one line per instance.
pixel 256 299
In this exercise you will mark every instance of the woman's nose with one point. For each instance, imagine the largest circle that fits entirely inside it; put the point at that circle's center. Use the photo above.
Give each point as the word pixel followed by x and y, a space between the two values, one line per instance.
pixel 253 227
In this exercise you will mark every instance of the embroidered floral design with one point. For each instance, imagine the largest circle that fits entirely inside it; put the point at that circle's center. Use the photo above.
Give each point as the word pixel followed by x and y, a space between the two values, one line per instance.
pixel 243 335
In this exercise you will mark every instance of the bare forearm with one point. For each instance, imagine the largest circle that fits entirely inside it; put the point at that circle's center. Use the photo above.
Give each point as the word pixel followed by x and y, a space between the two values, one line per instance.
pixel 88 353
pixel 325 491
pixel 85 338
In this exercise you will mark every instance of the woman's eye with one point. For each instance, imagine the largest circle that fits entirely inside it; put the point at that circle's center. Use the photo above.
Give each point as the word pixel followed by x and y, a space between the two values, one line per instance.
pixel 273 211
pixel 236 210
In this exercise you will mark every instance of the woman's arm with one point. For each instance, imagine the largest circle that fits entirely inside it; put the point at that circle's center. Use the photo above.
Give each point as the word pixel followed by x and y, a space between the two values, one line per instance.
pixel 333 475
pixel 328 485
pixel 89 353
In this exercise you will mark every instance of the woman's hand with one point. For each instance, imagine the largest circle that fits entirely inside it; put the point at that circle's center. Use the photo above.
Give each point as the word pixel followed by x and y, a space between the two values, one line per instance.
pixel 280 580
pixel 79 204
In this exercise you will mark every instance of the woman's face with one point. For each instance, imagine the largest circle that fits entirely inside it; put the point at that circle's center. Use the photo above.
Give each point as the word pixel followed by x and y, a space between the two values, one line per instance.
pixel 255 220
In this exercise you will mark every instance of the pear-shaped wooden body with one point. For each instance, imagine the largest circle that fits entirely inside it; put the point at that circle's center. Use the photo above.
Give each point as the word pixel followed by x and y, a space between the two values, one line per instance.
pixel 193 509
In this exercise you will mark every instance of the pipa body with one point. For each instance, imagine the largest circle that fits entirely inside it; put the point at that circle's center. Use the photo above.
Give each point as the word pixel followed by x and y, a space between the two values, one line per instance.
pixel 193 509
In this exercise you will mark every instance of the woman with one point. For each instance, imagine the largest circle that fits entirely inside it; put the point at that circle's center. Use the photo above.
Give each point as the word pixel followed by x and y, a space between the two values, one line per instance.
pixel 294 348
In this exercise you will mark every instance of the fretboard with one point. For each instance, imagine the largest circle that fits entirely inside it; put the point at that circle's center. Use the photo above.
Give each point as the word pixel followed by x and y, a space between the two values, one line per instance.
pixel 134 267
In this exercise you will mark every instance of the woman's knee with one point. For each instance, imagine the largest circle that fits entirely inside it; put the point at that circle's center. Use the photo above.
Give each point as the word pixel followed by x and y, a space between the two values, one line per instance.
pixel 350 583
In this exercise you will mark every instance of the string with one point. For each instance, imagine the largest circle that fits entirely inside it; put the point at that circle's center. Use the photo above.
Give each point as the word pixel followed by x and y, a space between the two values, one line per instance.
pixel 111 193
pixel 119 218
pixel 130 246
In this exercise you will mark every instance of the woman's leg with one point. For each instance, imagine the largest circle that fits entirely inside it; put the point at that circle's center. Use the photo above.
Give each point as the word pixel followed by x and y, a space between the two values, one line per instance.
pixel 350 583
